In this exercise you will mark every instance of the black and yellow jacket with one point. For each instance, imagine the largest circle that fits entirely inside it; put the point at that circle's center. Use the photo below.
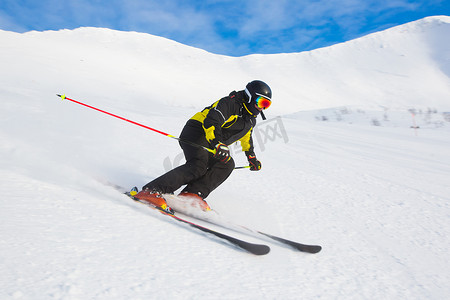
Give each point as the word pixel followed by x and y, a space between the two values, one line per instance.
pixel 228 120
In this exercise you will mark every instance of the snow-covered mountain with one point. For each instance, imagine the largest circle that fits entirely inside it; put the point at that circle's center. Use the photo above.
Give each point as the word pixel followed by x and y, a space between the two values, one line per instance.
pixel 375 197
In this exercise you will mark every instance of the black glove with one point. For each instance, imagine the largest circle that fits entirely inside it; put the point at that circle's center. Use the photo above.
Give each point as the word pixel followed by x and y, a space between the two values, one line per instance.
pixel 255 165
pixel 222 153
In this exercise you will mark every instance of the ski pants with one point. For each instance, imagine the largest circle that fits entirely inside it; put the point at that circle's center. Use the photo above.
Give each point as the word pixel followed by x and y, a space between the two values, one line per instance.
pixel 201 173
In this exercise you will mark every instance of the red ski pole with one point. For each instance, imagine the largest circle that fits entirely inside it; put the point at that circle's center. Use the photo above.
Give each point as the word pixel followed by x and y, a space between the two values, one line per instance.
pixel 63 97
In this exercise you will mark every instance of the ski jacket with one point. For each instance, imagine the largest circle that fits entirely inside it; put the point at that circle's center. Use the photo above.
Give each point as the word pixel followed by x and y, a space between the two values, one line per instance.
pixel 227 121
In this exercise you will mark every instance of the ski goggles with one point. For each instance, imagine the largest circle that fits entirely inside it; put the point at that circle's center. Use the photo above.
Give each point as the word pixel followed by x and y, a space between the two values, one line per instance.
pixel 263 102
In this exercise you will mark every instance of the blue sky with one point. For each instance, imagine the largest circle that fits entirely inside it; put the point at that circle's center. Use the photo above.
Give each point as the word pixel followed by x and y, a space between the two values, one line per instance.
pixel 227 27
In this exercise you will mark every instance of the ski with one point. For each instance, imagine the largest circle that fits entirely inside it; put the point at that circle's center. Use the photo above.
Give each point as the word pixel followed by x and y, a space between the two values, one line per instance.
pixel 218 221
pixel 258 234
pixel 299 246
pixel 256 249
pixel 238 228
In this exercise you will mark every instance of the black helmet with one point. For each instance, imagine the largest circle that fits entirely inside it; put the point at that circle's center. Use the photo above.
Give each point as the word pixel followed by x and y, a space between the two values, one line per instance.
pixel 254 90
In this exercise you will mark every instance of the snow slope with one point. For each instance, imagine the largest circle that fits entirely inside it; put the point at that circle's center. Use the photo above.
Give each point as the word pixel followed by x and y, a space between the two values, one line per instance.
pixel 375 197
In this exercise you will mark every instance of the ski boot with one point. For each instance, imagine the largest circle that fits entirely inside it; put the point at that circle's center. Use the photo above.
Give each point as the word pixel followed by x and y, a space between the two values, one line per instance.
pixel 196 200
pixel 154 198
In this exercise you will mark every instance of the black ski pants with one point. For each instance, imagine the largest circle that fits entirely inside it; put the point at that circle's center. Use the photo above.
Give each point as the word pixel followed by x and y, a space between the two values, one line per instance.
pixel 201 173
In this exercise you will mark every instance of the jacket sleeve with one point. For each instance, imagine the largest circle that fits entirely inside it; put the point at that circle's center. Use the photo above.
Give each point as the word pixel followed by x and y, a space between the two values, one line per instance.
pixel 247 142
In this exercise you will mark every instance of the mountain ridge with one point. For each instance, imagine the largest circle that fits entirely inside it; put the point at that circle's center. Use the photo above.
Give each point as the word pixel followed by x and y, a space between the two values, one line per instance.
pixel 373 70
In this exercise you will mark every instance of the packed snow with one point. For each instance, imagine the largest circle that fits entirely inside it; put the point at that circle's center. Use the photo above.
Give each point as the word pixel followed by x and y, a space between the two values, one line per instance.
pixel 355 156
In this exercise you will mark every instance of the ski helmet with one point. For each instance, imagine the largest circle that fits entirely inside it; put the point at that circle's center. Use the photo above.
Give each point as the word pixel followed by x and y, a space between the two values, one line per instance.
pixel 259 94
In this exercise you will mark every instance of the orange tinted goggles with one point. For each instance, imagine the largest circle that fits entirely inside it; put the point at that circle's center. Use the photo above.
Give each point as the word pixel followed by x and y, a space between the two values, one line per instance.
pixel 263 102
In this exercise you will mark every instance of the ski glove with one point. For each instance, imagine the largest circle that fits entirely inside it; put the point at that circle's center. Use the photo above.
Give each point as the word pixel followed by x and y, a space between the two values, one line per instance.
pixel 222 153
pixel 255 165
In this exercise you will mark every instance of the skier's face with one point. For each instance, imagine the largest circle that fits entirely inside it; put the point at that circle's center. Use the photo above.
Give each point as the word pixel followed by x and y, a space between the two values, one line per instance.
pixel 258 108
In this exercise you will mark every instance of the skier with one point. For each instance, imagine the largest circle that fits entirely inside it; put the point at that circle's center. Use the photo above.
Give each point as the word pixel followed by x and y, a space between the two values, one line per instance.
pixel 226 121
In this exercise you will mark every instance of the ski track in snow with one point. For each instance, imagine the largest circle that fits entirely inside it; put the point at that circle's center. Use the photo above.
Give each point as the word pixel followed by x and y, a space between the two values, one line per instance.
pixel 376 198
